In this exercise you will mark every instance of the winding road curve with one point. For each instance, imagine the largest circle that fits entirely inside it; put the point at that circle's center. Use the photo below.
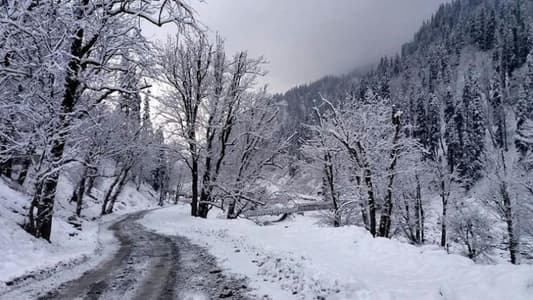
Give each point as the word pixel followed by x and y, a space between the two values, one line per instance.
pixel 152 266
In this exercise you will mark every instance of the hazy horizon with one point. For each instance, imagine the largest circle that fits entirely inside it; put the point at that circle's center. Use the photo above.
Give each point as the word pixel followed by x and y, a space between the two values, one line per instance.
pixel 305 40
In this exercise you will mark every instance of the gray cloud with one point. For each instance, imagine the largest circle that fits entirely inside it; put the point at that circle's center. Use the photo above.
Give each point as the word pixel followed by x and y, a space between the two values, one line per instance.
pixel 307 39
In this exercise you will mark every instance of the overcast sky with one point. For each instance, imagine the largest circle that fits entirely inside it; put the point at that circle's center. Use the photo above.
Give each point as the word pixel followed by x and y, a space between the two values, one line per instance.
pixel 304 40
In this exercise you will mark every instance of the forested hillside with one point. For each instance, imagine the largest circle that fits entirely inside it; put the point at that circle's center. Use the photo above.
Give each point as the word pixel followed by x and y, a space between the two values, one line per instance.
pixel 438 138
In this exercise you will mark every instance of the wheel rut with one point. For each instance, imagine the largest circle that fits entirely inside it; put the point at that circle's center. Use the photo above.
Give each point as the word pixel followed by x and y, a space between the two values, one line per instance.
pixel 148 265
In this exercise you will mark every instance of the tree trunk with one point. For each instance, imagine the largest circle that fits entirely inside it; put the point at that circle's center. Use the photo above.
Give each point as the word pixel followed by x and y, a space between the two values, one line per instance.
pixel 407 218
pixel 90 180
pixel 231 209
pixel 25 167
pixel 30 224
pixel 364 215
pixel 109 192
pixel 6 168
pixel 45 208
pixel 203 205
pixel 419 214
pixel 504 121
pixel 330 180
pixel 363 208
pixel 509 221
pixel 371 201
pixel 386 216
pixel 74 196
pixel 443 238
pixel 514 242
pixel 80 191
pixel 205 193
pixel 45 203
pixel 194 185
pixel 162 197
pixel 118 190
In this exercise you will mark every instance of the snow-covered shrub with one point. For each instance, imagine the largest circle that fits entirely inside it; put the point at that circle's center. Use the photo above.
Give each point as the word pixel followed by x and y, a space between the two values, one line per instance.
pixel 470 228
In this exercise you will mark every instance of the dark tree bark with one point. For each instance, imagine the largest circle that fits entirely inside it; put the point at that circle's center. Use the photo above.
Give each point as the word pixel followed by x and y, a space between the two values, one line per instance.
pixel 79 191
pixel 110 190
pixel 117 191
pixel 231 209
pixel 363 208
pixel 408 229
pixel 203 205
pixel 45 203
pixel 508 216
pixel 371 200
pixel 233 212
pixel 30 225
pixel 6 168
pixel 205 192
pixel 90 180
pixel 444 199
pixel 386 216
pixel 330 185
pixel 194 186
pixel 419 214
pixel 509 221
pixel 162 197
pixel 24 169
pixel 74 196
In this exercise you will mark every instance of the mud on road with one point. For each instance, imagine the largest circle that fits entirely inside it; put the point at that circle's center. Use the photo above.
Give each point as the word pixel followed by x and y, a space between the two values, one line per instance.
pixel 152 266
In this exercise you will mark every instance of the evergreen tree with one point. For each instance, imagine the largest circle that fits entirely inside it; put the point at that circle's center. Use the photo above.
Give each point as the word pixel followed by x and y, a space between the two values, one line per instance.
pixel 523 114
pixel 146 119
pixel 490 31
pixel 434 124
pixel 130 102
pixel 524 105
pixel 421 132
pixel 160 173
pixel 449 106
pixel 498 112
pixel 456 138
pixel 433 74
pixel 471 166
pixel 528 77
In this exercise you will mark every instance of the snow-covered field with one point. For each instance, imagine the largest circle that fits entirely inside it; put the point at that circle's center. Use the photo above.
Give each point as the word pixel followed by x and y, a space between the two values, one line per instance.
pixel 23 255
pixel 300 259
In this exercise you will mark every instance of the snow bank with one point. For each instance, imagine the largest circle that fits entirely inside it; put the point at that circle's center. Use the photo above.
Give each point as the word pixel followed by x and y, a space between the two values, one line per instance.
pixel 303 260
pixel 24 255
pixel 21 252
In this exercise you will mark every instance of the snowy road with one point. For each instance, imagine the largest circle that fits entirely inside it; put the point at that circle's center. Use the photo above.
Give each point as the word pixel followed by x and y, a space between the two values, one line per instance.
pixel 149 266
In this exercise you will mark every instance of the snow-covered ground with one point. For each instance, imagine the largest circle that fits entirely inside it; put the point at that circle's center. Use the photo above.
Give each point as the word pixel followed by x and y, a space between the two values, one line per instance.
pixel 23 255
pixel 300 259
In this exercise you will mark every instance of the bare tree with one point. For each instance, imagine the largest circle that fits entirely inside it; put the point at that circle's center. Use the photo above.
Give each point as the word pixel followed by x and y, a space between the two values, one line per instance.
pixel 184 65
pixel 207 100
pixel 365 140
pixel 257 151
